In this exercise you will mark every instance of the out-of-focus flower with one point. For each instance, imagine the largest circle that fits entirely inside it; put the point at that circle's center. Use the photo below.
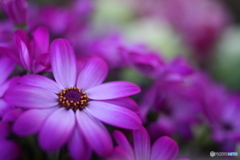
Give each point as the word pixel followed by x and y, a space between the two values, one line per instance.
pixel 72 108
pixel 6 32
pixel 173 102
pixel 110 48
pixel 7 66
pixel 200 22
pixel 171 98
pixel 16 10
pixel 220 110
pixel 31 54
pixel 146 62
pixel 9 150
pixel 163 148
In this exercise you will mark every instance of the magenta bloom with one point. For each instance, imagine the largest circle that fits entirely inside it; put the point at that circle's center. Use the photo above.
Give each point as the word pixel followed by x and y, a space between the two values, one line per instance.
pixel 163 148
pixel 16 10
pixel 73 108
pixel 31 54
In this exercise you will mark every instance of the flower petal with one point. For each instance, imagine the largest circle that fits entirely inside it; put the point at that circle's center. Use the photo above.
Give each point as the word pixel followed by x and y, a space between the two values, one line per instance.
pixel 23 52
pixel 122 141
pixel 63 63
pixel 7 66
pixel 31 121
pixel 30 97
pixel 124 102
pixel 141 143
pixel 4 130
pixel 114 115
pixel 57 129
pixel 119 154
pixel 95 133
pixel 12 116
pixel 78 147
pixel 9 150
pixel 4 108
pixel 40 81
pixel 113 90
pixel 164 148
pixel 6 85
pixel 41 41
pixel 10 54
pixel 93 73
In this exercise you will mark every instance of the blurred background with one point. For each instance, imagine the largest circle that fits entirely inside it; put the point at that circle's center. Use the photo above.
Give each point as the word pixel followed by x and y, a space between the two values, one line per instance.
pixel 184 54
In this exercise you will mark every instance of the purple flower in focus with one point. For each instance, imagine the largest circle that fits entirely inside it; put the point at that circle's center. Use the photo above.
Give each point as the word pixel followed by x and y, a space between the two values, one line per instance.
pixel 72 109
pixel 164 148
pixel 31 54
pixel 16 10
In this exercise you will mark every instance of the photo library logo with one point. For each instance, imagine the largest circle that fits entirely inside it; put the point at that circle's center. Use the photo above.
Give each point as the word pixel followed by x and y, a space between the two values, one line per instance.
pixel 212 153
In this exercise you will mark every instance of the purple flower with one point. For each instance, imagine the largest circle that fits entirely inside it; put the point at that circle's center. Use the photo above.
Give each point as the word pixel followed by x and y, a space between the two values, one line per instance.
pixel 163 148
pixel 16 10
pixel 72 109
pixel 31 54
pixel 172 97
pixel 144 61
pixel 220 110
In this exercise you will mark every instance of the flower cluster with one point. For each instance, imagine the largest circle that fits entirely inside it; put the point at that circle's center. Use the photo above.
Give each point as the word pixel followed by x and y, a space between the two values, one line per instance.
pixel 82 81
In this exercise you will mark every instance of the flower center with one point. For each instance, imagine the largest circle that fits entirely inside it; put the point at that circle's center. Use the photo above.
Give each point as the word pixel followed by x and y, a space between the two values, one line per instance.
pixel 73 98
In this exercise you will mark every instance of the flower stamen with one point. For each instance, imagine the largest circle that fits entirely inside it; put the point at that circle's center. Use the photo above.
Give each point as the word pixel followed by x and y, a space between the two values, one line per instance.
pixel 73 98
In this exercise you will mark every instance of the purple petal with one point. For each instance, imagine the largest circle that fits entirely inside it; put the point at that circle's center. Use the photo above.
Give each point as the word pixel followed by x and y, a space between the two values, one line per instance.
pixel 41 41
pixel 95 133
pixel 7 66
pixel 57 129
pixel 78 147
pixel 141 142
pixel 31 121
pixel 5 86
pixel 30 97
pixel 113 90
pixel 114 115
pixel 40 81
pixel 12 116
pixel 119 154
pixel 23 53
pixel 63 63
pixel 4 108
pixel 164 148
pixel 9 150
pixel 122 141
pixel 23 36
pixel 124 102
pixel 4 130
pixel 93 73
pixel 10 54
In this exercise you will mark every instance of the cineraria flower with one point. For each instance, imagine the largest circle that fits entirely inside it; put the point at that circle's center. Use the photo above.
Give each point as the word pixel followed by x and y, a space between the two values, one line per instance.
pixel 31 54
pixel 73 108
pixel 163 148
